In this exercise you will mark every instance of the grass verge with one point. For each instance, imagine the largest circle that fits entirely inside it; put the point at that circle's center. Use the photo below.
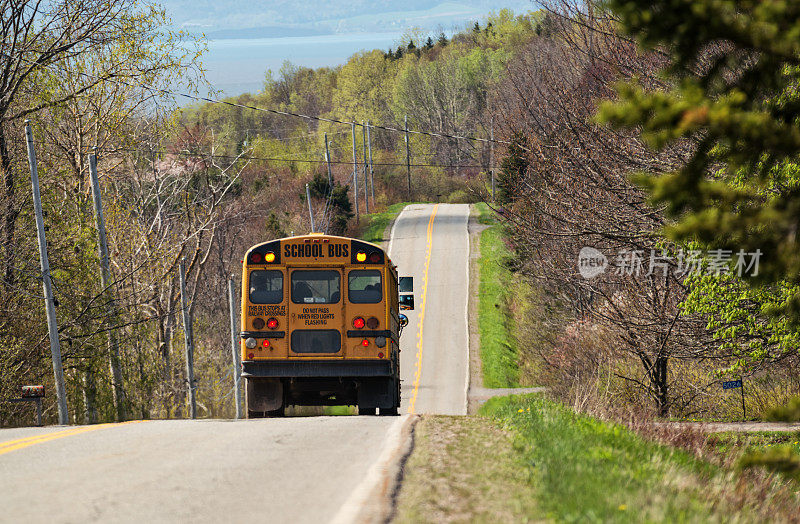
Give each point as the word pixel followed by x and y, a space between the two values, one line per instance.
pixel 526 458
pixel 376 223
pixel 498 354
pixel 464 469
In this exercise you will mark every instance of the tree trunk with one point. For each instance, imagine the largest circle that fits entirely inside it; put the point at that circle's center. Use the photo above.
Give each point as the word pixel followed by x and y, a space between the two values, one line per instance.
pixel 660 385
pixel 9 228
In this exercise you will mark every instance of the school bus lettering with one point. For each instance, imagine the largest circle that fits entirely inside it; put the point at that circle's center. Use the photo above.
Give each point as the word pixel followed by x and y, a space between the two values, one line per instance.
pixel 338 250
pixel 266 311
pixel 315 316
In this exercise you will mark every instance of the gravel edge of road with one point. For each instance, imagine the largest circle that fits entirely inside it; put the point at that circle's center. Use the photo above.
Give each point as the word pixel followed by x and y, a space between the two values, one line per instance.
pixel 373 500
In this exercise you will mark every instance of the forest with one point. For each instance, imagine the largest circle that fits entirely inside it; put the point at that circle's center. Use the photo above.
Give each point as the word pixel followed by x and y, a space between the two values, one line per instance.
pixel 670 156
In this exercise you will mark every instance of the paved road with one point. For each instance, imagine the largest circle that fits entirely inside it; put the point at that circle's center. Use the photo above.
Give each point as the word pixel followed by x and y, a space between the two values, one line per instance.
pixel 273 470
pixel 432 240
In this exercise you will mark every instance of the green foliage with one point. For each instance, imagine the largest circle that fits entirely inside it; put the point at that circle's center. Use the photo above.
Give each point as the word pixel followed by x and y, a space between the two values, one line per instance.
pixel 586 469
pixel 740 317
pixel 363 87
pixel 788 413
pixel 733 91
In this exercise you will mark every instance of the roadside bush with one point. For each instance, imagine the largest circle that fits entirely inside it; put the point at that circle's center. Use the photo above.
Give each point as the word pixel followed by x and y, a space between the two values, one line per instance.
pixel 788 413
pixel 781 459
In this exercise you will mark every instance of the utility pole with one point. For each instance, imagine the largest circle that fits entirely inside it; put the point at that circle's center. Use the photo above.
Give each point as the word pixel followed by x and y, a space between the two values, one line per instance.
pixel 491 152
pixel 408 159
pixel 366 178
pixel 371 167
pixel 328 163
pixel 105 284
pixel 355 168
pixel 188 337
pixel 49 302
pixel 310 213
pixel 237 367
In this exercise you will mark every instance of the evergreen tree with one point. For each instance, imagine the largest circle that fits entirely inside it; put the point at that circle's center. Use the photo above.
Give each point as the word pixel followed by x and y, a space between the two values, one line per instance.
pixel 476 28
pixel 442 41
pixel 341 209
pixel 429 44
pixel 512 170
pixel 411 46
pixel 735 74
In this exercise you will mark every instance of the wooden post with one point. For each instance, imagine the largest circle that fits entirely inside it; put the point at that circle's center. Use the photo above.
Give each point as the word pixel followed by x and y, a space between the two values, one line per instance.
pixel 328 163
pixel 408 158
pixel 355 168
pixel 310 212
pixel 49 302
pixel 237 367
pixel 188 337
pixel 371 167
pixel 364 163
pixel 105 284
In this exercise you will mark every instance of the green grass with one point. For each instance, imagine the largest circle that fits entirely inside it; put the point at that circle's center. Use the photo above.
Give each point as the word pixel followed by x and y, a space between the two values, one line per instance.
pixel 377 223
pixel 585 469
pixel 734 442
pixel 498 354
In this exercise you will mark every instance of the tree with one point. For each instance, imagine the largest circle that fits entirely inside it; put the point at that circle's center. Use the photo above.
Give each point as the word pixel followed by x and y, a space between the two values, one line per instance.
pixel 429 44
pixel 735 68
pixel 442 40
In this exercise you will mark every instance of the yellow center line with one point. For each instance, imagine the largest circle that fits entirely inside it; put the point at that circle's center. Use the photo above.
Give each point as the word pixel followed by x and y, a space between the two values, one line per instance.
pixel 13 445
pixel 418 369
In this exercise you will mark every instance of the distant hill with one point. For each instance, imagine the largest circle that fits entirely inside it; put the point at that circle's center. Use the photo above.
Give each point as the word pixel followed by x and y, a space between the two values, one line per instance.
pixel 326 16
pixel 272 31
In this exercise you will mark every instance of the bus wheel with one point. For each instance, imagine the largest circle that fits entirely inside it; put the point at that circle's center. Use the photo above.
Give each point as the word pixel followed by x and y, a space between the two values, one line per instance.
pixel 366 411
pixel 255 414
pixel 389 411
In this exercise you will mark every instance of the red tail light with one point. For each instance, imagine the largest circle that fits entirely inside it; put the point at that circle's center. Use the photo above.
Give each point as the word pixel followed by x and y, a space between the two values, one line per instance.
pixel 373 323
pixel 272 323
pixel 255 258
pixel 358 323
pixel 365 343
pixel 380 355
pixel 375 257
pixel 258 323
pixel 266 343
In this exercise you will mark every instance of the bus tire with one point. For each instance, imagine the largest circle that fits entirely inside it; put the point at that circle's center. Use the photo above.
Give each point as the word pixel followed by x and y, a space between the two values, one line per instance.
pixel 366 411
pixel 389 411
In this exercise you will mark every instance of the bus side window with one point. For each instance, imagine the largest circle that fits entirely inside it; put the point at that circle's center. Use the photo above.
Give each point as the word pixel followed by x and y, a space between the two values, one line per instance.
pixel 266 287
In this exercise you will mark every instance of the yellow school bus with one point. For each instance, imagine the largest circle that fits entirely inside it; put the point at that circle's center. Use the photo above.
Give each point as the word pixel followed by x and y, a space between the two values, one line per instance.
pixel 320 325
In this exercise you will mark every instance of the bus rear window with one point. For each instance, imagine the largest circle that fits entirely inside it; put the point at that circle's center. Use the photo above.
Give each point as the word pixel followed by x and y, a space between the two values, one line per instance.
pixel 316 341
pixel 266 287
pixel 316 287
pixel 364 286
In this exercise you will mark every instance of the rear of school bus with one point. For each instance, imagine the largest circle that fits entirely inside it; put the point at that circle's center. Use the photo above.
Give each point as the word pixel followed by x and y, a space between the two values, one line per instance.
pixel 320 325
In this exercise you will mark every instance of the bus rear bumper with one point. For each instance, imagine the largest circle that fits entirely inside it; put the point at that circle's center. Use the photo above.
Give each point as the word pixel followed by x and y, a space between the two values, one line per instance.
pixel 316 368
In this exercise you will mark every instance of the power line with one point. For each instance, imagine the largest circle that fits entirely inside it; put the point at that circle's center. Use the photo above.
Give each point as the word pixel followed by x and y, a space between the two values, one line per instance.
pixel 277 111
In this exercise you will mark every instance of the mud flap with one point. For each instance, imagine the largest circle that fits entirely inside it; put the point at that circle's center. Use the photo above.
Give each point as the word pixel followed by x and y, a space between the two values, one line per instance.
pixel 264 394
pixel 377 393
